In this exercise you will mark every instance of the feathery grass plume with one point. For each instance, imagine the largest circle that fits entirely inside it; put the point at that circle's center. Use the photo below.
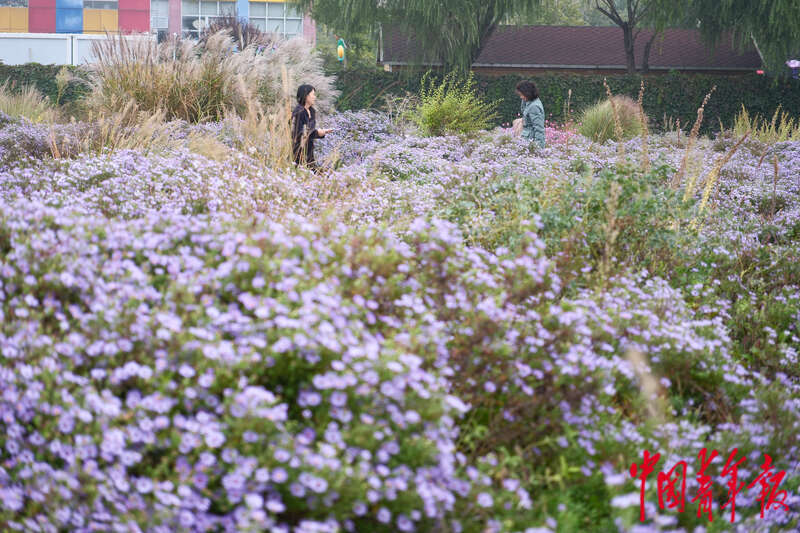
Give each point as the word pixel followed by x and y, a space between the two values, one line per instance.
pixel 127 129
pixel 243 32
pixel 678 177
pixel 611 230
pixel 399 110
pixel 648 386
pixel 63 79
pixel 599 122
pixel 265 134
pixel 774 185
pixel 645 131
pixel 617 125
pixel 303 65
pixel 713 175
pixel 200 81
pixel 694 168
pixel 569 123
pixel 567 111
pixel 781 128
pixel 26 103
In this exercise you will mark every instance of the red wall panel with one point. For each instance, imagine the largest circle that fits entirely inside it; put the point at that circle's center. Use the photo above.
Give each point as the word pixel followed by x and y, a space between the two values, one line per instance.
pixel 134 21
pixel 135 5
pixel 42 3
pixel 42 19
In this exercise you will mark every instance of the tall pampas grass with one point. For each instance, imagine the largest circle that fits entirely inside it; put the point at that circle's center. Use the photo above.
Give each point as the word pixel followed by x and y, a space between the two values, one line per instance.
pixel 201 81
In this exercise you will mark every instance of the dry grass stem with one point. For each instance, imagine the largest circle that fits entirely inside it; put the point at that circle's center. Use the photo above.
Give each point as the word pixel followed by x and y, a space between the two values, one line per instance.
pixel 648 386
pixel 678 177
pixel 645 132
pixel 617 124
pixel 713 176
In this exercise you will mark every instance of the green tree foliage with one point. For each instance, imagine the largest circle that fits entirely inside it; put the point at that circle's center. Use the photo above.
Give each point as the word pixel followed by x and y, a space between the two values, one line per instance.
pixel 772 26
pixel 450 31
pixel 552 13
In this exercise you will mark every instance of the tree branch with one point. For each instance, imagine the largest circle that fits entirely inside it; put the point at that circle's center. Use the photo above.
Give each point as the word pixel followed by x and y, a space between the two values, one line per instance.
pixel 614 15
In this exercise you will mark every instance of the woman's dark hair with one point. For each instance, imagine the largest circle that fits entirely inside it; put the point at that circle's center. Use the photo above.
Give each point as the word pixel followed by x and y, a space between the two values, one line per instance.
pixel 528 90
pixel 302 92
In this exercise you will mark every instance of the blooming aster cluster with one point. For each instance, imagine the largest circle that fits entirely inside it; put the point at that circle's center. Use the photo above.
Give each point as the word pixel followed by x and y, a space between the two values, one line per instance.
pixel 183 349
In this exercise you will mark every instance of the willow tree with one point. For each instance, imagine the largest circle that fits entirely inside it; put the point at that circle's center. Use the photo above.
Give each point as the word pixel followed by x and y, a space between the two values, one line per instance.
pixel 452 32
pixel 773 26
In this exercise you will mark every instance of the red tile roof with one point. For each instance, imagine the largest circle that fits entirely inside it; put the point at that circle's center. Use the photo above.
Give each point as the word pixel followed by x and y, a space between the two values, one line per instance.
pixel 591 47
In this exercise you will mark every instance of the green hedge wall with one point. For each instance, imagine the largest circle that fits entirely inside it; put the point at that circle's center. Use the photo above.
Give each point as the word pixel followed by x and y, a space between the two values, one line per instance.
pixel 674 95
pixel 43 77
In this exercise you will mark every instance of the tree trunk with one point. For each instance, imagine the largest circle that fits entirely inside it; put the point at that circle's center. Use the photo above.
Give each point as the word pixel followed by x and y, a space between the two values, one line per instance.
pixel 629 40
pixel 647 47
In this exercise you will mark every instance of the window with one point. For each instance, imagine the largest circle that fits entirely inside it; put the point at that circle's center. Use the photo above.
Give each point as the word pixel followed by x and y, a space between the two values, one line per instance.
pixel 277 17
pixel 196 14
pixel 100 4
pixel 159 14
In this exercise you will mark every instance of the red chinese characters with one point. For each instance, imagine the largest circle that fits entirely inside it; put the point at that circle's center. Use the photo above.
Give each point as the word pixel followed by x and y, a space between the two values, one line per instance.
pixel 769 484
pixel 672 484
pixel 644 470
pixel 731 470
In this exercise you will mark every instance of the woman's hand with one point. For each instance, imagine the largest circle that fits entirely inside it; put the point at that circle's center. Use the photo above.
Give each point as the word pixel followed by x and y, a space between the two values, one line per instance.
pixel 324 132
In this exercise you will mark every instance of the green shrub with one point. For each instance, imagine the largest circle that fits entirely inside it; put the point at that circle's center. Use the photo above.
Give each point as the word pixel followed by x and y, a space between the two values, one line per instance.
pixel 597 122
pixel 452 106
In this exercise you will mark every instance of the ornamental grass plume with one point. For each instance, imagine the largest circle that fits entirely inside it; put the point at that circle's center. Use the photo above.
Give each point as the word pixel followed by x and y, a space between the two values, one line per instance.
pixel 713 176
pixel 678 177
pixel 780 129
pixel 26 103
pixel 617 125
pixel 616 117
pixel 127 129
pixel 645 131
pixel 201 81
pixel 648 386
pixel 264 134
pixel 776 172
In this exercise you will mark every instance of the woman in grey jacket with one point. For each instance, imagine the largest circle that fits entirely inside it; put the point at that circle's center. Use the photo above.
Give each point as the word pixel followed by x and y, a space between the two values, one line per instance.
pixel 532 112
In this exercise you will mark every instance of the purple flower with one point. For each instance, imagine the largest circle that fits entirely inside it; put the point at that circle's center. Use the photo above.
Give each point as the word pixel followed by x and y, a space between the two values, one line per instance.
pixel 384 515
pixel 485 499
pixel 254 501
pixel 360 508
pixel 144 485
pixel 215 439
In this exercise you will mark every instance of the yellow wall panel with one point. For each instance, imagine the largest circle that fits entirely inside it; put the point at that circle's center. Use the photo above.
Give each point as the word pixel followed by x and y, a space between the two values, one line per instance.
pixel 13 19
pixel 100 20
pixel 91 21
pixel 5 19
pixel 19 19
pixel 109 20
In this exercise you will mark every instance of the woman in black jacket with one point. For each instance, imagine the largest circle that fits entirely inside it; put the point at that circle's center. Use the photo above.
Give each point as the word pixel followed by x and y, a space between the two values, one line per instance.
pixel 304 127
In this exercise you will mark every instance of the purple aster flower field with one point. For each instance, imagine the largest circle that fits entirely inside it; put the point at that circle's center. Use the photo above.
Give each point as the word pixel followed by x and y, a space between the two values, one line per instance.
pixel 438 334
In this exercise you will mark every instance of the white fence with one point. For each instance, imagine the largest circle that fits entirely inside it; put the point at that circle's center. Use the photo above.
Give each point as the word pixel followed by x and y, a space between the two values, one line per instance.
pixel 48 48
